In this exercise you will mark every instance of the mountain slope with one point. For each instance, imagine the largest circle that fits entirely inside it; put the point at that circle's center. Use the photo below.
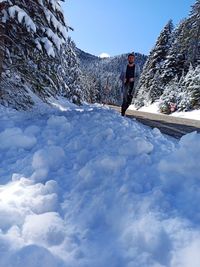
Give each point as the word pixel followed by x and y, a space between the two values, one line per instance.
pixel 102 75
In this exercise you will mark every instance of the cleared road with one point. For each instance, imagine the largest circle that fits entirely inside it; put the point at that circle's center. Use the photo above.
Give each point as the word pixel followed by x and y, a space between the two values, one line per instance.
pixel 170 125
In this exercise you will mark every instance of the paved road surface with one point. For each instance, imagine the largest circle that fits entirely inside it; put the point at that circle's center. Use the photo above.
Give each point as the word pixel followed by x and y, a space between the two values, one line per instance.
pixel 169 125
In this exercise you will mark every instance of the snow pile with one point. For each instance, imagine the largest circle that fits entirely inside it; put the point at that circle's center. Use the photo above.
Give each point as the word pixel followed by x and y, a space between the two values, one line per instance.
pixel 86 187
pixel 154 108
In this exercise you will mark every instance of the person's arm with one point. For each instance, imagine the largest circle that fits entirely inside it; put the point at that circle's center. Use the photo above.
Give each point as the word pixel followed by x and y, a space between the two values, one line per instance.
pixel 137 71
pixel 122 76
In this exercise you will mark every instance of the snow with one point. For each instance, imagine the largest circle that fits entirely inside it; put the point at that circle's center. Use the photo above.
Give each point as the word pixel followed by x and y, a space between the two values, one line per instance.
pixel 17 138
pixel 104 55
pixel 194 114
pixel 83 186
pixel 57 25
pixel 153 108
pixel 22 17
pixel 55 39
pixel 55 5
pixel 48 45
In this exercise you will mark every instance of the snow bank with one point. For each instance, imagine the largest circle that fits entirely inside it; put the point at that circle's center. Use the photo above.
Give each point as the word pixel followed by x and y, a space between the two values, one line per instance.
pixel 154 108
pixel 79 182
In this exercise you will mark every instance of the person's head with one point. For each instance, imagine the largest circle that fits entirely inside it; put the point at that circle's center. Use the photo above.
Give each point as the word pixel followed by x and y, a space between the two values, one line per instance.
pixel 131 58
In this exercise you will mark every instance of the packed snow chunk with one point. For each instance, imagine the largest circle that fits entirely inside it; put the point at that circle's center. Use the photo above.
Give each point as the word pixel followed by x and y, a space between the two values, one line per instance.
pixel 189 255
pixel 147 238
pixel 32 256
pixel 17 177
pixel 111 163
pixel 32 130
pixel 49 158
pixel 101 166
pixel 157 132
pixel 44 203
pixel 46 229
pixel 184 161
pixel 101 137
pixel 59 123
pixel 4 247
pixel 135 147
pixel 9 216
pixel 15 138
pixel 180 175
pixel 50 187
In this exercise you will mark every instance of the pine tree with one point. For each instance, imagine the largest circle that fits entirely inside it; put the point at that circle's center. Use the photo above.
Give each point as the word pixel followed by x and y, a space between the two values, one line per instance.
pixel 170 98
pixel 190 97
pixel 103 75
pixel 175 63
pixel 178 74
pixel 35 34
pixel 148 89
pixel 194 42
pixel 71 73
pixel 185 49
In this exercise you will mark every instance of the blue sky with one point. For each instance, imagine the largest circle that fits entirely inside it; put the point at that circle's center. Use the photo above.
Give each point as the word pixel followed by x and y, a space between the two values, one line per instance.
pixel 116 26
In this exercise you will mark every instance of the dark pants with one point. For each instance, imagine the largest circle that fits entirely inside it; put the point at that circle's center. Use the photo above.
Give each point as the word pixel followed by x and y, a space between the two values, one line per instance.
pixel 127 97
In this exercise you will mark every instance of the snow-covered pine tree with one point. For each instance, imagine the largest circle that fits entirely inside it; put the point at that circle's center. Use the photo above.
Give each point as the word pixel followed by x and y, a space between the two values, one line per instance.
pixel 148 89
pixel 194 88
pixel 184 92
pixel 175 65
pixel 170 98
pixel 34 33
pixel 71 73
pixel 194 41
pixel 185 49
pixel 190 96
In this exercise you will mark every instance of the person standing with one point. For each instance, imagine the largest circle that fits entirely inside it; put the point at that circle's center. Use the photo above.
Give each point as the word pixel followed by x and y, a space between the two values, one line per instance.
pixel 128 79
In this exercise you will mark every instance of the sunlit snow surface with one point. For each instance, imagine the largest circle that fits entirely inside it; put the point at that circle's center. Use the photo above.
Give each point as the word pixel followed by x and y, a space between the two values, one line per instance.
pixel 154 108
pixel 83 186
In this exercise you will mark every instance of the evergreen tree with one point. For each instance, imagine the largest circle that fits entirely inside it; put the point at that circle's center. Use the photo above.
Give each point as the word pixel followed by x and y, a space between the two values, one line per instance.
pixel 190 97
pixel 103 75
pixel 194 42
pixel 185 49
pixel 71 73
pixel 175 63
pixel 170 98
pixel 149 87
pixel 35 36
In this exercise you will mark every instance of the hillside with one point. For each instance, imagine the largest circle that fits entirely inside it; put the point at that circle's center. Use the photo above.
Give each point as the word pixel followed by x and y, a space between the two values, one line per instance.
pixel 102 75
